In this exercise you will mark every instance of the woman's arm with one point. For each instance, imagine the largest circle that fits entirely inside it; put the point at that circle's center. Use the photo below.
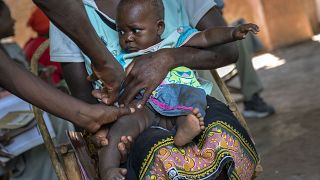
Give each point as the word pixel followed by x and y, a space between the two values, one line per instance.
pixel 32 89
pixel 66 52
pixel 75 75
pixel 70 16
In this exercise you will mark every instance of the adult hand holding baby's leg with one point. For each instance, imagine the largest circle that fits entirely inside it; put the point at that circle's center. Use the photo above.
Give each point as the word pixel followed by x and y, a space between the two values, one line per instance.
pixel 100 139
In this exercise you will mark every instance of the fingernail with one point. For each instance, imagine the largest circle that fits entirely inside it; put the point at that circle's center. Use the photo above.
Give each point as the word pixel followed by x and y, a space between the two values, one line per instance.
pixel 121 147
pixel 105 100
pixel 104 143
pixel 122 137
pixel 121 105
pixel 132 110
pixel 139 106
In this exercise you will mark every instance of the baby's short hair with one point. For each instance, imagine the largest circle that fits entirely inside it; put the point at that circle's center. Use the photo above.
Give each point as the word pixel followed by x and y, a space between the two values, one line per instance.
pixel 2 6
pixel 157 5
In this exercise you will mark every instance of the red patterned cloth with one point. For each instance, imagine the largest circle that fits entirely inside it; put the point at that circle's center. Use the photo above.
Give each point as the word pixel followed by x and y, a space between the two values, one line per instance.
pixel 29 49
pixel 39 22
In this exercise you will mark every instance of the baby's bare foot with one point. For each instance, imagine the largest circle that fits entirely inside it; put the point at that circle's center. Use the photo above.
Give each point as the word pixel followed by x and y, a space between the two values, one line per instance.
pixel 115 173
pixel 188 127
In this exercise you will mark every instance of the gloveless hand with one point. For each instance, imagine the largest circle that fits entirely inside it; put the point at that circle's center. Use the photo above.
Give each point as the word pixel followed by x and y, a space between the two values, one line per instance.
pixel 99 115
pixel 111 78
pixel 147 73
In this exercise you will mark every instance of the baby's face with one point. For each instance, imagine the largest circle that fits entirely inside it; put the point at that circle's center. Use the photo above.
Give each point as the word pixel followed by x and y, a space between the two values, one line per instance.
pixel 138 29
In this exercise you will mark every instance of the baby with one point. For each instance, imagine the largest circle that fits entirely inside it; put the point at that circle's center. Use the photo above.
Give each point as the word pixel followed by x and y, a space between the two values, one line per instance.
pixel 180 98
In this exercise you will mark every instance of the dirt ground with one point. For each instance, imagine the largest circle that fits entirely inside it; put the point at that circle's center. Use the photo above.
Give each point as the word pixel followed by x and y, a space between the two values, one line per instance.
pixel 288 142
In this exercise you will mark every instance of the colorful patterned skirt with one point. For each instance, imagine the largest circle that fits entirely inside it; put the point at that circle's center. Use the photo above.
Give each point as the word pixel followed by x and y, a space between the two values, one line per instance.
pixel 223 146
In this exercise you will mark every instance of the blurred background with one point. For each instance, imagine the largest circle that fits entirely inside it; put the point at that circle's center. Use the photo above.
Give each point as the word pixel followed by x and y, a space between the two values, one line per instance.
pixel 283 22
pixel 289 67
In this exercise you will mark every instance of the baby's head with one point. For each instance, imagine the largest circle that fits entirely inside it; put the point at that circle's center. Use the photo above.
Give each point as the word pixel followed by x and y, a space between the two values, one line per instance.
pixel 7 22
pixel 140 23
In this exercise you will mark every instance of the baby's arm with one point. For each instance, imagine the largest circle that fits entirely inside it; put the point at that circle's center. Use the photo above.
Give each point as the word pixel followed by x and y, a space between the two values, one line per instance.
pixel 221 35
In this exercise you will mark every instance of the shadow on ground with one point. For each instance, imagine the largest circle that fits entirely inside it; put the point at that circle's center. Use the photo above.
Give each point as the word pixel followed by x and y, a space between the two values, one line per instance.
pixel 289 141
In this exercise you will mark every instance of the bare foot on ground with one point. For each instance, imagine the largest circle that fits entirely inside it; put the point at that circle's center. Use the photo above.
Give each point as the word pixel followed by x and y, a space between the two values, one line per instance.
pixel 188 127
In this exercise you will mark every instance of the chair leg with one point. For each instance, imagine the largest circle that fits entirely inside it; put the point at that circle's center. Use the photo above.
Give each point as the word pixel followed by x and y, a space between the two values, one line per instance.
pixel 72 168
pixel 38 116
pixel 231 103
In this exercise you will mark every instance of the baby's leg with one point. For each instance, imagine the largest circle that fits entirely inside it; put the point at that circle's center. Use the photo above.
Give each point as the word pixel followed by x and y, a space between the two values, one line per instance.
pixel 188 127
pixel 109 156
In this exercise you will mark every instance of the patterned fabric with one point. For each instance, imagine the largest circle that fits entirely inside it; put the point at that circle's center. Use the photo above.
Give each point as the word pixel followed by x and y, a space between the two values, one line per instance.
pixel 224 145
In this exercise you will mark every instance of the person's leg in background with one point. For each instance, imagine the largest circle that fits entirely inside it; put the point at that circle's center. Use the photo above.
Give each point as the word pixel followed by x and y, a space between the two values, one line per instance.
pixel 251 86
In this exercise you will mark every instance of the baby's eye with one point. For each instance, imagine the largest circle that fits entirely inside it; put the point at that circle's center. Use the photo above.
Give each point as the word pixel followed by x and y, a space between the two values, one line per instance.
pixel 121 32
pixel 136 30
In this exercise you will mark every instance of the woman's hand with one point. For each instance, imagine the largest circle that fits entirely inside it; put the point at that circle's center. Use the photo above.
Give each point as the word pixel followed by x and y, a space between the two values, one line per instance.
pixel 147 72
pixel 111 79
pixel 99 115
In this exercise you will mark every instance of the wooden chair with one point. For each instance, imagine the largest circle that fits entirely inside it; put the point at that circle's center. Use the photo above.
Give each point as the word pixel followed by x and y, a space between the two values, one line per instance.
pixel 63 158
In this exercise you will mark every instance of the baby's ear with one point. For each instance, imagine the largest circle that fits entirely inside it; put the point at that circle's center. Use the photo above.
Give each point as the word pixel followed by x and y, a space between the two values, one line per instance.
pixel 161 27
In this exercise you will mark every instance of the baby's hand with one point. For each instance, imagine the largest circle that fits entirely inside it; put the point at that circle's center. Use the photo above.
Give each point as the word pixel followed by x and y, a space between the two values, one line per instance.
pixel 241 31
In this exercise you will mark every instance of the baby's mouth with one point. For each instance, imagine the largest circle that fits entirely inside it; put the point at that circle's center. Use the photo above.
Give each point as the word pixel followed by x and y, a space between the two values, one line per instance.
pixel 132 49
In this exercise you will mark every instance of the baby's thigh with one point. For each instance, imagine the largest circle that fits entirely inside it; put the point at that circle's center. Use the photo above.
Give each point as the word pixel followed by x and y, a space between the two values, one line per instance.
pixel 130 125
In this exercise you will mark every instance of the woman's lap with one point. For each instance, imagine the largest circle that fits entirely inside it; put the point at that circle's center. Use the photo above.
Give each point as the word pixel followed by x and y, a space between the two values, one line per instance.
pixel 224 143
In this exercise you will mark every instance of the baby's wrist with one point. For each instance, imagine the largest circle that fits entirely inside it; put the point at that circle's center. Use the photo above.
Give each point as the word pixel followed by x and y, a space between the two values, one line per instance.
pixel 233 33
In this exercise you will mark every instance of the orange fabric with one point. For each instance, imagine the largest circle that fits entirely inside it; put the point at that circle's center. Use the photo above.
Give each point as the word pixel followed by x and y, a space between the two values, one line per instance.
pixel 39 22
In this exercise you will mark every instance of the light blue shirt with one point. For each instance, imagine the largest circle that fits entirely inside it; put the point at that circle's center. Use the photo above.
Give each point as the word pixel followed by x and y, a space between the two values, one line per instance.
pixel 63 49
pixel 176 39
pixel 220 3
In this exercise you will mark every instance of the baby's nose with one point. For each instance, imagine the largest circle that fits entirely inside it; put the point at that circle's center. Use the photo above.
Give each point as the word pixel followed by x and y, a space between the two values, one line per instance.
pixel 129 37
